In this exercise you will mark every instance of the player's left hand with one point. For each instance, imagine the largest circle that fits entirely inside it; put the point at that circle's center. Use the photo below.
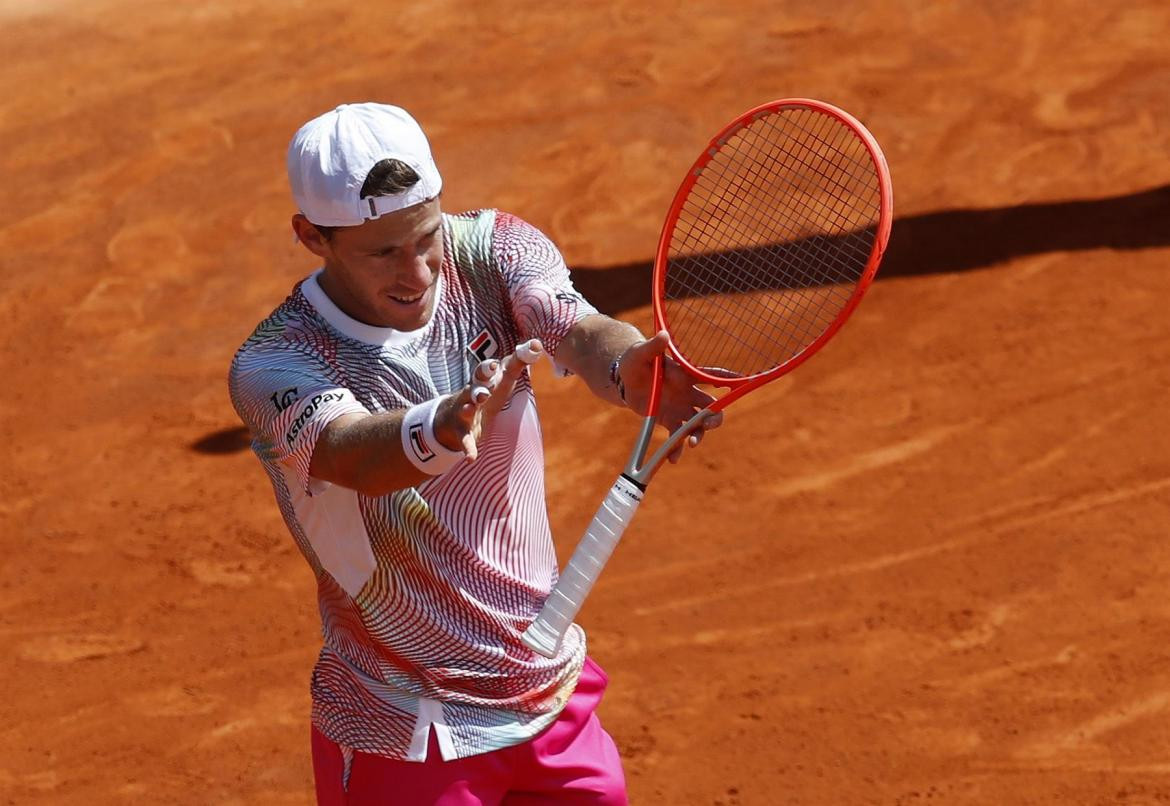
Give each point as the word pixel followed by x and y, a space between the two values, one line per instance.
pixel 680 398
pixel 490 390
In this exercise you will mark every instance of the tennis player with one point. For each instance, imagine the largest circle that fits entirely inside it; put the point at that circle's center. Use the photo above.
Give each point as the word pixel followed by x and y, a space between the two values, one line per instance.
pixel 390 404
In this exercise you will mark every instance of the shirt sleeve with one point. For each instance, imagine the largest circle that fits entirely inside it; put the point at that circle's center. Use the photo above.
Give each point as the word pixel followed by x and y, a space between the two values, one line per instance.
pixel 545 304
pixel 287 402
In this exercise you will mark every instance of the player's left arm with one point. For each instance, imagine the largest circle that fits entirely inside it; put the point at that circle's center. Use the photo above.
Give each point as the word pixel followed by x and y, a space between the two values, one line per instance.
pixel 617 364
pixel 584 342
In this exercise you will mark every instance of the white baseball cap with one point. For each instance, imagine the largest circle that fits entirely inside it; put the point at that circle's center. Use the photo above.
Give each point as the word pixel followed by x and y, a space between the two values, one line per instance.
pixel 330 156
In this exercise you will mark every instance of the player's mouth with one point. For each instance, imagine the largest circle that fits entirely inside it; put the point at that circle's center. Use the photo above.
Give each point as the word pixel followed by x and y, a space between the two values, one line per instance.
pixel 407 300
pixel 411 301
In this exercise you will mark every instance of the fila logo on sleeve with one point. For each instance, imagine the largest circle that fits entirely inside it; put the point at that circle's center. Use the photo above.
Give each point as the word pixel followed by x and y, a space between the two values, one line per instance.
pixel 484 346
pixel 419 443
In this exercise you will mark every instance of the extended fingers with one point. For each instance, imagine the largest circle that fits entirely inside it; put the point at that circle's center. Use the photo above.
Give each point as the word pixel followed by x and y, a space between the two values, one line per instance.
pixel 487 377
pixel 530 351
pixel 492 394
pixel 525 355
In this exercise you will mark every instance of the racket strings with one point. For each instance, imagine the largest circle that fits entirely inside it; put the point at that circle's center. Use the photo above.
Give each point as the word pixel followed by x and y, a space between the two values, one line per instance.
pixel 738 276
pixel 745 316
pixel 790 160
pixel 771 242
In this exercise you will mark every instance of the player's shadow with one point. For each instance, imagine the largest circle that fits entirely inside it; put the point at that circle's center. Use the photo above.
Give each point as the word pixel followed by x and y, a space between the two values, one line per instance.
pixel 226 440
pixel 955 240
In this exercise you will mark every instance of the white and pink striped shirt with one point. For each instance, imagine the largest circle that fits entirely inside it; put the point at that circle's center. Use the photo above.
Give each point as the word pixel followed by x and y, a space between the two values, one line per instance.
pixel 424 592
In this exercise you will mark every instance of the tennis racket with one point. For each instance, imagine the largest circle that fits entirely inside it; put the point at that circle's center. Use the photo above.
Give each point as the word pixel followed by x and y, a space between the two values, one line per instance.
pixel 768 247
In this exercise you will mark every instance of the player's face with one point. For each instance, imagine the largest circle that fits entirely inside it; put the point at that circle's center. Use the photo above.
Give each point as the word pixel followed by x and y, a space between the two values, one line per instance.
pixel 383 272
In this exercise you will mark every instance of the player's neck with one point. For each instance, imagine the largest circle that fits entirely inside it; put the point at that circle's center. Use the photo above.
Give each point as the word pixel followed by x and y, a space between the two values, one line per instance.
pixel 345 302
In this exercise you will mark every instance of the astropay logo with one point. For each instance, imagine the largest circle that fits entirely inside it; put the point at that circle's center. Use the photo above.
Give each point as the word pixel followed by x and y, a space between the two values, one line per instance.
pixel 315 402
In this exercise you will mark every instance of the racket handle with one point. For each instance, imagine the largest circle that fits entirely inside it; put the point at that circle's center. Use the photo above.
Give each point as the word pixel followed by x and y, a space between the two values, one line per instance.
pixel 563 604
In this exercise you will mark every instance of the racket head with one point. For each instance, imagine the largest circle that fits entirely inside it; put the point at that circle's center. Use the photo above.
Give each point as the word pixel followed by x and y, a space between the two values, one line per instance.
pixel 770 243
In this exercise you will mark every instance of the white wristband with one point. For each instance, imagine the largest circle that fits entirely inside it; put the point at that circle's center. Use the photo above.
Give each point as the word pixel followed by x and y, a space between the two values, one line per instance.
pixel 419 443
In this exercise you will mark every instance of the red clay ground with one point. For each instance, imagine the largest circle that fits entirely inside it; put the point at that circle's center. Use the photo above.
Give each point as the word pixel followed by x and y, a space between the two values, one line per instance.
pixel 930 566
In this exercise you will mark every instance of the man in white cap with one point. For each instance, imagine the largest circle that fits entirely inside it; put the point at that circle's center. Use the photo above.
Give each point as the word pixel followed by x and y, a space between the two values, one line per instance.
pixel 389 403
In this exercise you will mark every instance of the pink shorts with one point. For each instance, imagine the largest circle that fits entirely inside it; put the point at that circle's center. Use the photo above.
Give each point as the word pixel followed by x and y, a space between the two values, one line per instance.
pixel 573 761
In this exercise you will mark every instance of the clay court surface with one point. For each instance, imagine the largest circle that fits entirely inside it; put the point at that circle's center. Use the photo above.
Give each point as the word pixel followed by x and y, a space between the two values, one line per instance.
pixel 931 566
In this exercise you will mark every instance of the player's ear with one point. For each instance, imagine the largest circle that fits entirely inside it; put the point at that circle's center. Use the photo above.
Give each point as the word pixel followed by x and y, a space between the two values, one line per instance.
pixel 313 239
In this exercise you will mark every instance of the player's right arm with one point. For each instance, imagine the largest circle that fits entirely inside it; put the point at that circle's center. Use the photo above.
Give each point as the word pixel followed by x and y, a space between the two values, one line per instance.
pixel 365 452
pixel 321 433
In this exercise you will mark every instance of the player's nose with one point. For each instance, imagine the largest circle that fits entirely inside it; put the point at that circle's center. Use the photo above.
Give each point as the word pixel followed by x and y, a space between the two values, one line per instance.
pixel 415 273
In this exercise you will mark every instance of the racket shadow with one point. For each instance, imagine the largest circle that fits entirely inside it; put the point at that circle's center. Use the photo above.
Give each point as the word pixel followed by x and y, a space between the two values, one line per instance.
pixel 950 241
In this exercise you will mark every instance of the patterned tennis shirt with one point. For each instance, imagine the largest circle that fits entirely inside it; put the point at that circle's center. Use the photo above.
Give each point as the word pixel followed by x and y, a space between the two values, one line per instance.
pixel 423 593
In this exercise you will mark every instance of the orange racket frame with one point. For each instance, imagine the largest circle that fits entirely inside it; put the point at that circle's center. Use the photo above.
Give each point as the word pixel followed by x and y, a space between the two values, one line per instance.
pixel 741 386
pixel 547 632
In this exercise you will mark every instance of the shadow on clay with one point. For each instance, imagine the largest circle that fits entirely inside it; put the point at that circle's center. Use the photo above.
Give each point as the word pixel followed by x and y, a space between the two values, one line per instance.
pixel 955 241
pixel 226 440
pixel 929 243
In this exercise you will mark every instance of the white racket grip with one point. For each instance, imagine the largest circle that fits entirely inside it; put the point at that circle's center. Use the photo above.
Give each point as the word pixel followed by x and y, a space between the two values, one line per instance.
pixel 560 609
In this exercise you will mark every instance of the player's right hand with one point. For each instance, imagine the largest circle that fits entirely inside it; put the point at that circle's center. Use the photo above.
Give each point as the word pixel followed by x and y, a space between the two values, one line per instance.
pixel 464 419
pixel 680 397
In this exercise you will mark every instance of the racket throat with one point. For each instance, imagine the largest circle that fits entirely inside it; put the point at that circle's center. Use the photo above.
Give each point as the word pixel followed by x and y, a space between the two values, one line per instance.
pixel 639 469
pixel 636 472
pixel 641 487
